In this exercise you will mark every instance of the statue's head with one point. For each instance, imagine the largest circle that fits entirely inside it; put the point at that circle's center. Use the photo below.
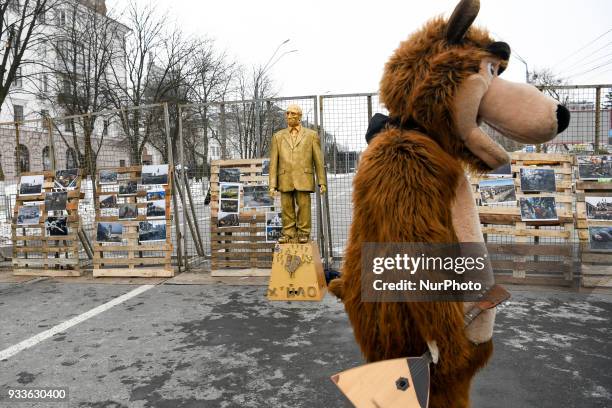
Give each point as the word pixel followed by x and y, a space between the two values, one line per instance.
pixel 293 115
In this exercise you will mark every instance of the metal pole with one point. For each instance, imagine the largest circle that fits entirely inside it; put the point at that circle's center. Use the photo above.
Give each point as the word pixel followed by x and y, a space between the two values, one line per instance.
pixel 17 151
pixel 51 145
pixel 196 235
pixel 223 133
pixel 178 179
pixel 597 117
pixel 177 224
pixel 319 118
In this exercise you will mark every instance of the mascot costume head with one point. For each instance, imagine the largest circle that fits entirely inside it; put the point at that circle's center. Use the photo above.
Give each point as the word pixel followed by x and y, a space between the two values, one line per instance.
pixel 438 86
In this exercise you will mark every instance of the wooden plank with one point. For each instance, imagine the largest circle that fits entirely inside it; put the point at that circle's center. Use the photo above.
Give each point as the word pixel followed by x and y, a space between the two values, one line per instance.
pixel 507 279
pixel 240 272
pixel 98 247
pixel 48 250
pixel 597 282
pixel 597 257
pixel 241 255
pixel 137 272
pixel 44 261
pixel 238 238
pixel 527 232
pixel 242 245
pixel 529 249
pixel 590 269
pixel 555 267
pixel 126 261
pixel 235 162
pixel 541 158
pixel 593 185
pixel 46 272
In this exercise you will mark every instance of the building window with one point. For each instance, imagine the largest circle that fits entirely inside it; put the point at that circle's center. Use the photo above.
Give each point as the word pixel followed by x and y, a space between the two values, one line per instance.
pixel 18 113
pixel 71 161
pixel 24 159
pixel 42 16
pixel 18 81
pixel 44 83
pixel 61 18
pixel 105 127
pixel 44 113
pixel 69 126
pixel 66 86
pixel 121 163
pixel 46 158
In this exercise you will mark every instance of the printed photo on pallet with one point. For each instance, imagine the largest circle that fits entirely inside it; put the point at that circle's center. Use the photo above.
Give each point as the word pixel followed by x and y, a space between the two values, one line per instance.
pixel 240 199
pixel 46 224
pixel 531 239
pixel 133 214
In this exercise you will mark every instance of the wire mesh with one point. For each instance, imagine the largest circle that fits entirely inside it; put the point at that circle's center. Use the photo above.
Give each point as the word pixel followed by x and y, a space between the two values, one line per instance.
pixel 240 129
pixel 233 130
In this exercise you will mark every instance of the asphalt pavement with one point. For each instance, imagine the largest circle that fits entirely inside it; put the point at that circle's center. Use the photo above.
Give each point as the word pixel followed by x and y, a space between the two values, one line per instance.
pixel 227 346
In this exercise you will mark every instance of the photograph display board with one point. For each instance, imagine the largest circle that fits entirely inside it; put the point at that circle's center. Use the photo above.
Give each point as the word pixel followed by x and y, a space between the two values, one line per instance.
pixel 241 243
pixel 528 214
pixel 133 222
pixel 46 224
pixel 594 219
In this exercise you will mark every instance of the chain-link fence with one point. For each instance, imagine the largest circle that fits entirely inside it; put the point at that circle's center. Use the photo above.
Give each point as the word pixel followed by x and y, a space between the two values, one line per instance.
pixel 90 142
pixel 345 118
pixel 199 133
pixel 231 130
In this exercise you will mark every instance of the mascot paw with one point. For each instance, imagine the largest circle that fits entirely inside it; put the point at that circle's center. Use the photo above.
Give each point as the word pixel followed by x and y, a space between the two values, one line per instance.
pixel 336 286
pixel 433 350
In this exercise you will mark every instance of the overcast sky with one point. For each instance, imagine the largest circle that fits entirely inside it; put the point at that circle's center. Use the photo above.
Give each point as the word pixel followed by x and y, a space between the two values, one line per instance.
pixel 342 45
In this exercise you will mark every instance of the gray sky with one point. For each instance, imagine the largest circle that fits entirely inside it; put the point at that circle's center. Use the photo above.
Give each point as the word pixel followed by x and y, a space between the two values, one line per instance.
pixel 342 45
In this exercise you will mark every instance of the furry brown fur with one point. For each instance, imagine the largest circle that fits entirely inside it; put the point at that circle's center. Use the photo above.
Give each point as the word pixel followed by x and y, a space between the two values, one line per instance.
pixel 422 77
pixel 393 330
pixel 410 186
pixel 419 83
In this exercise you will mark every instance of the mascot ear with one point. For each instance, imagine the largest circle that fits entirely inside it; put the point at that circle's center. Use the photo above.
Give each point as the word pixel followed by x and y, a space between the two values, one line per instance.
pixel 462 18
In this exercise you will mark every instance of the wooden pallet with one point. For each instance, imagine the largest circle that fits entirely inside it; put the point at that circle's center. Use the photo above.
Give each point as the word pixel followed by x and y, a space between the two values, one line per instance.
pixel 240 250
pixel 37 254
pixel 596 265
pixel 531 244
pixel 130 258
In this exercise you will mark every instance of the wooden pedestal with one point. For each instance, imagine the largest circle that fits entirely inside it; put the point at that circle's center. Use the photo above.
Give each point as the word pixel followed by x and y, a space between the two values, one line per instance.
pixel 297 273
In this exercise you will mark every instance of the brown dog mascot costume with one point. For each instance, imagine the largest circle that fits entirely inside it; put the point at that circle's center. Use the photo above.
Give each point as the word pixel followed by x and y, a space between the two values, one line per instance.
pixel 411 186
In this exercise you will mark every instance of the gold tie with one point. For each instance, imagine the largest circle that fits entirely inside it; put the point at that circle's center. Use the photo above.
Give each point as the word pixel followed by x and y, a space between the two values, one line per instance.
pixel 294 133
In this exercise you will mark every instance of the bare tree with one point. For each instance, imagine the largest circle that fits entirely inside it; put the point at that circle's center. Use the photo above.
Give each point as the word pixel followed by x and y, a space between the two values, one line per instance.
pixel 171 83
pixel 86 44
pixel 250 125
pixel 155 65
pixel 19 30
pixel 548 83
pixel 212 78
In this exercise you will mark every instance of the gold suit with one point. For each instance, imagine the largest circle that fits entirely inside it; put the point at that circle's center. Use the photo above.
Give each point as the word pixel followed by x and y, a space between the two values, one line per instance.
pixel 292 158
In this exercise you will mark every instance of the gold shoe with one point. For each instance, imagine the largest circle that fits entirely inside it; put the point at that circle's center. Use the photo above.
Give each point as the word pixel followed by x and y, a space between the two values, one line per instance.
pixel 283 239
pixel 303 239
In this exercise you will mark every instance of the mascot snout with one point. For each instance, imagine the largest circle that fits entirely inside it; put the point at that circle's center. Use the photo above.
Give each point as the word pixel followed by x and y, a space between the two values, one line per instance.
pixel 522 113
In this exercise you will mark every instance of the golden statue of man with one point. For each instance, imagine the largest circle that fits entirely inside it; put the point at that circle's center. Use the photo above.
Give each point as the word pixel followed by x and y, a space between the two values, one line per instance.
pixel 294 152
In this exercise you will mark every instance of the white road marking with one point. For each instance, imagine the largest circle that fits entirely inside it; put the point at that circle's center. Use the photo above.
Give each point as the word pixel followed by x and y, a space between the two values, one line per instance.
pixel 34 340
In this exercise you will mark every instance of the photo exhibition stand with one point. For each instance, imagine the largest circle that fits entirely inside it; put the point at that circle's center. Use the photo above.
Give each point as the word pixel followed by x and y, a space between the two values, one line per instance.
pixel 128 243
pixel 37 251
pixel 595 264
pixel 239 247
pixel 536 240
